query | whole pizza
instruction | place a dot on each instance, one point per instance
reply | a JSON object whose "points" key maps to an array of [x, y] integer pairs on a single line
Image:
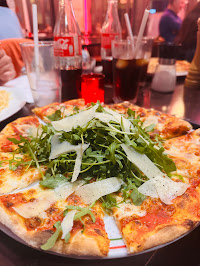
{"points": [[94, 179]]}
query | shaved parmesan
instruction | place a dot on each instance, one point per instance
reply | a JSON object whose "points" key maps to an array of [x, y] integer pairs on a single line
{"points": [[106, 118], [150, 120], [67, 223], [37, 207], [142, 162], [58, 148], [45, 199], [163, 188], [121, 119], [73, 121], [91, 192]]}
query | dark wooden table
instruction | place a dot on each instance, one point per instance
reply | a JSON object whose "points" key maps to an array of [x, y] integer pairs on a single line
{"points": [[185, 251]]}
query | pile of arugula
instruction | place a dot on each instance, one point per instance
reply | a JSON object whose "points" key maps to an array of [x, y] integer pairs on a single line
{"points": [[103, 159]]}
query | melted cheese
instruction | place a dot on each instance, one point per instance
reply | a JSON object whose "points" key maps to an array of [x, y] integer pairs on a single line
{"points": [[128, 209]]}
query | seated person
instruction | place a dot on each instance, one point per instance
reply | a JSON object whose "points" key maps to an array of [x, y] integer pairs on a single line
{"points": [[13, 50], [170, 23], [7, 70], [9, 23], [187, 37]]}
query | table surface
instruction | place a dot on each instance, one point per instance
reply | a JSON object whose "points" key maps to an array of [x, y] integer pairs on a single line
{"points": [[185, 251]]}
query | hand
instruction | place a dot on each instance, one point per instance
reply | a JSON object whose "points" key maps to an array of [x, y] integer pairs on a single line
{"points": [[7, 70]]}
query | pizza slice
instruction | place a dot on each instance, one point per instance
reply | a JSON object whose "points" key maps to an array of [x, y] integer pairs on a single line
{"points": [[16, 172], [56, 220], [154, 223], [21, 126], [166, 126], [63, 109], [185, 152]]}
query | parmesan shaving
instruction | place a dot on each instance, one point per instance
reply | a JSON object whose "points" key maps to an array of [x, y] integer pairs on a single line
{"points": [[45, 199], [142, 162], [150, 120], [118, 117], [92, 192], [73, 121], [163, 188], [58, 148], [67, 223]]}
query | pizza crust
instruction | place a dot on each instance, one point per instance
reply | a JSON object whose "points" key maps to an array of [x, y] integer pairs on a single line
{"points": [[79, 245]]}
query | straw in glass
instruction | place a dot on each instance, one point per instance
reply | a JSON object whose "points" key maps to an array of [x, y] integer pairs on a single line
{"points": [[35, 33], [141, 30]]}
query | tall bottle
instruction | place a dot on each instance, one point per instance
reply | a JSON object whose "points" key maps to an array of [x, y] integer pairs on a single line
{"points": [[67, 50], [111, 30]]}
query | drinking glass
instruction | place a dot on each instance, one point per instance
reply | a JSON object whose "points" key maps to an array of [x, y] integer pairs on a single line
{"points": [[129, 67], [92, 87], [44, 78]]}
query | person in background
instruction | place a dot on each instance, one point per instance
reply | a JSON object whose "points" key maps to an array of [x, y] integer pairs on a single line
{"points": [[170, 22], [9, 23], [187, 37], [7, 69]]}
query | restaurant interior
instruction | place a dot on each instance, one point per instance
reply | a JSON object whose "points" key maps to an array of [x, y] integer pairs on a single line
{"points": [[167, 79]]}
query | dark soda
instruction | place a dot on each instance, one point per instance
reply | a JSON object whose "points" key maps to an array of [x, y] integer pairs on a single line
{"points": [[127, 74], [107, 71], [71, 84]]}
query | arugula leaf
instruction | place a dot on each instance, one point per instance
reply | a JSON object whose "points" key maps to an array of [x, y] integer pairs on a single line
{"points": [[82, 212], [52, 182], [136, 196], [108, 202], [67, 237], [52, 240], [55, 116]]}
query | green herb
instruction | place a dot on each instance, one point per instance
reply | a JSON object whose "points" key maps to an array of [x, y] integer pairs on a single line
{"points": [[52, 240], [82, 212], [108, 202], [52, 182]]}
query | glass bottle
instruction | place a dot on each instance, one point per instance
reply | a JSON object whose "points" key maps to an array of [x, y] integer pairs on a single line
{"points": [[111, 30], [164, 79], [67, 50]]}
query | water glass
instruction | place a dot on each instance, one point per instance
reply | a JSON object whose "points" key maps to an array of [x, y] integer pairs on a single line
{"points": [[44, 78]]}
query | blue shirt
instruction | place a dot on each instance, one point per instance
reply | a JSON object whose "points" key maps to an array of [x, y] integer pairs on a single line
{"points": [[169, 25], [9, 24]]}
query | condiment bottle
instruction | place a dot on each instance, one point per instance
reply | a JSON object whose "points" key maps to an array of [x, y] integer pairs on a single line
{"points": [[164, 79], [111, 30], [67, 50]]}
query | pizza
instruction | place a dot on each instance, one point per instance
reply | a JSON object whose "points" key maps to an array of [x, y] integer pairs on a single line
{"points": [[182, 66], [67, 183]]}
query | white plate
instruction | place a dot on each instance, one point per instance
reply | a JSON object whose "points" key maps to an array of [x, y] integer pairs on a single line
{"points": [[15, 103]]}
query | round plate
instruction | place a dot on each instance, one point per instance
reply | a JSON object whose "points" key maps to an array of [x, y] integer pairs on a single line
{"points": [[15, 103]]}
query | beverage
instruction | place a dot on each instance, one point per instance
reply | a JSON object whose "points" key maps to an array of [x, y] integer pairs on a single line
{"points": [[44, 97], [67, 50], [111, 30], [107, 70], [92, 87], [127, 75], [129, 67], [71, 84]]}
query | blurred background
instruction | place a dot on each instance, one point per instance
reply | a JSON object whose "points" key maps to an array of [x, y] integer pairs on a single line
{"points": [[90, 15]]}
